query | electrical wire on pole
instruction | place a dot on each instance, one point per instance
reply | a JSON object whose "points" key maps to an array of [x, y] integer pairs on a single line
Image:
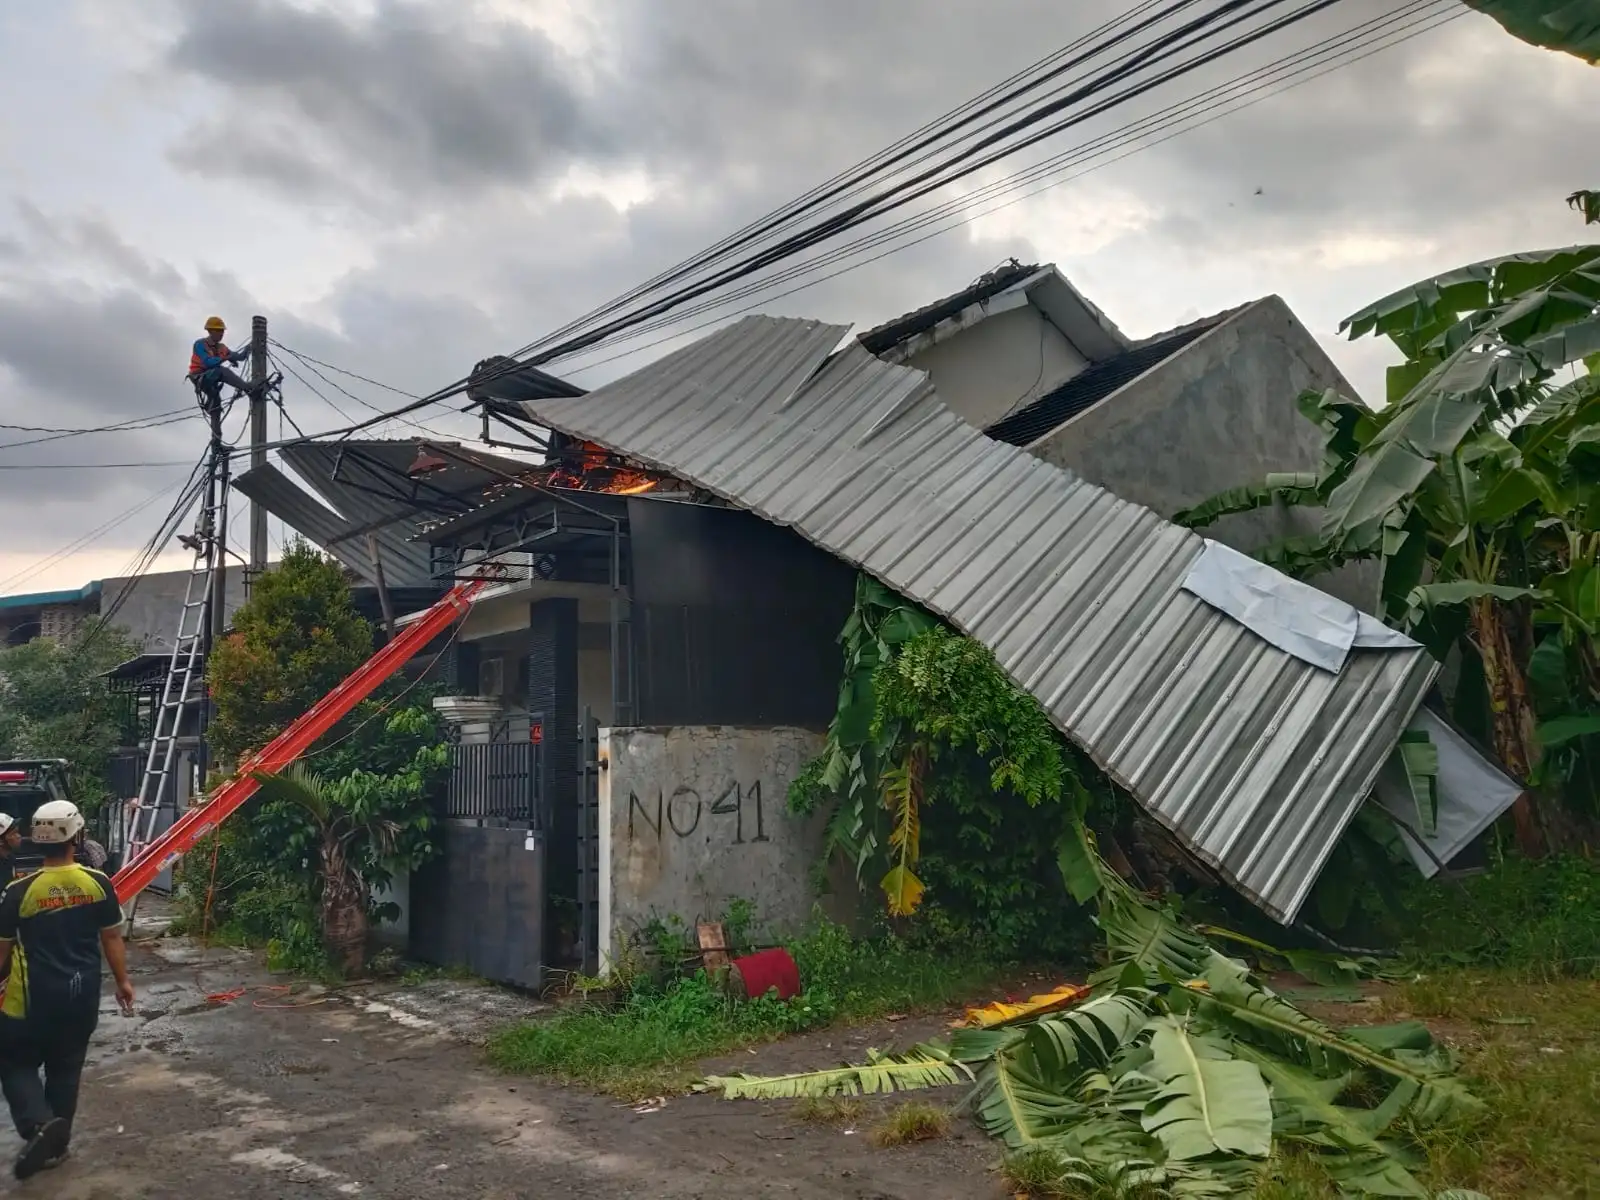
{"points": [[258, 441]]}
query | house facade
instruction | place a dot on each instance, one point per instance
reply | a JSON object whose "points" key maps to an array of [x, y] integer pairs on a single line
{"points": [[1166, 421]]}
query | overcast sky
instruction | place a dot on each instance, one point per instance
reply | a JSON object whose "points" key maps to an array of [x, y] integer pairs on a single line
{"points": [[404, 188]]}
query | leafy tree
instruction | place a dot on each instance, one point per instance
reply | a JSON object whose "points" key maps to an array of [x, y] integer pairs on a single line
{"points": [[946, 778], [297, 636], [55, 703], [377, 772], [350, 825]]}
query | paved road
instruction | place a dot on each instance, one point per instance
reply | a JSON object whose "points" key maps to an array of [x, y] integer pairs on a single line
{"points": [[377, 1094]]}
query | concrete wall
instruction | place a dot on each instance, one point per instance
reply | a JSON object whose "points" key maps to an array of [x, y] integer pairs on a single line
{"points": [[150, 612], [1218, 414], [999, 365], [692, 817]]}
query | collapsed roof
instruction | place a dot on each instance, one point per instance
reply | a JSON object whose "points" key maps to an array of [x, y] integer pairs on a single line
{"points": [[363, 490], [1254, 756]]}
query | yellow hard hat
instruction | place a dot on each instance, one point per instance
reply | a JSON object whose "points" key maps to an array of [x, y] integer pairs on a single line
{"points": [[215, 323]]}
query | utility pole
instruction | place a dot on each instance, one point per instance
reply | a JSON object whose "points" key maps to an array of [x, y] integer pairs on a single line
{"points": [[258, 442], [214, 531]]}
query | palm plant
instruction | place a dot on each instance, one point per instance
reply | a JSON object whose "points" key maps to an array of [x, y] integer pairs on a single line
{"points": [[348, 826]]}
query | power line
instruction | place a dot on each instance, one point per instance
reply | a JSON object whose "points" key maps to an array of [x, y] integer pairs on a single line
{"points": [[277, 362], [88, 539], [1168, 44], [853, 177], [125, 466], [388, 387], [1237, 94], [128, 426], [310, 364], [1233, 15], [91, 429], [971, 158]]}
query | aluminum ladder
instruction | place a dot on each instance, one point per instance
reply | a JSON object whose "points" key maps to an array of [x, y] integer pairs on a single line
{"points": [[183, 670]]}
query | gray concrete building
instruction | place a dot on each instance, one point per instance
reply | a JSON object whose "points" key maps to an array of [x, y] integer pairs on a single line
{"points": [[1165, 421], [144, 607]]}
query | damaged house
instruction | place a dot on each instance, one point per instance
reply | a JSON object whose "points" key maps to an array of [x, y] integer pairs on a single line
{"points": [[660, 658]]}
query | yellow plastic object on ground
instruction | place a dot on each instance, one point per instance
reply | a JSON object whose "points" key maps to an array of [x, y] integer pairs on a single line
{"points": [[1003, 1012]]}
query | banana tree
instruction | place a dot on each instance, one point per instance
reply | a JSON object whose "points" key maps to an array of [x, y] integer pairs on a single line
{"points": [[348, 824], [1474, 486]]}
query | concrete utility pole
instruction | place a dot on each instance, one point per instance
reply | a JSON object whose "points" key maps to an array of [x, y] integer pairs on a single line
{"points": [[258, 441]]}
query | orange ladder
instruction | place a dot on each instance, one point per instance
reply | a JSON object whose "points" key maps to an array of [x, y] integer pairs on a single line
{"points": [[294, 741]]}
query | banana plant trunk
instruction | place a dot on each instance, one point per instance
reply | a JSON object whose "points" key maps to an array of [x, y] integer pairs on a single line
{"points": [[1513, 718], [344, 910]]}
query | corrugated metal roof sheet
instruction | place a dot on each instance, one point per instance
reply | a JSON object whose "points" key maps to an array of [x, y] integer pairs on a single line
{"points": [[279, 495], [365, 482], [1256, 760]]}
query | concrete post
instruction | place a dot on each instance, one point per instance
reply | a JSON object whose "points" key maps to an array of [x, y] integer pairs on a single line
{"points": [[258, 440]]}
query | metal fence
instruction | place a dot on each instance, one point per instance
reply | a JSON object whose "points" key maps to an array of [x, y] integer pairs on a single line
{"points": [[499, 780]]}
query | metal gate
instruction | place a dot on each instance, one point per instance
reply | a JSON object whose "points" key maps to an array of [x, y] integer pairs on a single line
{"points": [[480, 903]]}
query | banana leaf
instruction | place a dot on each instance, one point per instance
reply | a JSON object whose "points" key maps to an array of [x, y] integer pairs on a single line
{"points": [[1210, 1102], [1570, 26], [1252, 1012], [921, 1068]]}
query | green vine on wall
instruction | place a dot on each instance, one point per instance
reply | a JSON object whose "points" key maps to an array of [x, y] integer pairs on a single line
{"points": [[928, 724]]}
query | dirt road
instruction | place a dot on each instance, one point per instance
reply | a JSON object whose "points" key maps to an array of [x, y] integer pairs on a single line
{"points": [[377, 1094]]}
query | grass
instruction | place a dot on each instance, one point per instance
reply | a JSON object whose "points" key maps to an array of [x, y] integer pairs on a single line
{"points": [[1539, 921], [827, 1110], [649, 1043], [914, 1121], [1540, 1083]]}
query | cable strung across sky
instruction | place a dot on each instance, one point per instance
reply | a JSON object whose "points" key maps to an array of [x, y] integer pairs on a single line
{"points": [[1229, 17], [1144, 49], [1240, 92]]}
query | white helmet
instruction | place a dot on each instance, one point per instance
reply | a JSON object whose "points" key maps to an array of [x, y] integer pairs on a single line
{"points": [[6, 822], [56, 823]]}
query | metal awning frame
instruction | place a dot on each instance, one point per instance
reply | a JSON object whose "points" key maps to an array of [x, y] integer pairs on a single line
{"points": [[526, 533]]}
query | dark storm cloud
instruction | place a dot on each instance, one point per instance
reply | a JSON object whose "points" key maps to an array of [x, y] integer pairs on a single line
{"points": [[425, 95], [108, 355]]}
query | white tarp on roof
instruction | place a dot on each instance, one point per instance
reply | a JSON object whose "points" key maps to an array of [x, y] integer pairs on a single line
{"points": [[1295, 617]]}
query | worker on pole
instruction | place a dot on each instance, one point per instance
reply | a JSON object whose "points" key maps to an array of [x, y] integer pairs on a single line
{"points": [[54, 926], [209, 365]]}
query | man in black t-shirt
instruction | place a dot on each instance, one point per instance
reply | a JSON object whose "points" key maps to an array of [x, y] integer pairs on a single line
{"points": [[54, 925]]}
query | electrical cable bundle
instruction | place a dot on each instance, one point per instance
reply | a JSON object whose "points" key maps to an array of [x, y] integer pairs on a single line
{"points": [[1240, 92], [1145, 48]]}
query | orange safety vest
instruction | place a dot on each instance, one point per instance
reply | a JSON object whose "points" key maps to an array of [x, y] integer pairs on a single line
{"points": [[195, 365]]}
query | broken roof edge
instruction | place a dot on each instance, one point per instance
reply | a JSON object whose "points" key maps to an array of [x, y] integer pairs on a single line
{"points": [[1078, 319]]}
